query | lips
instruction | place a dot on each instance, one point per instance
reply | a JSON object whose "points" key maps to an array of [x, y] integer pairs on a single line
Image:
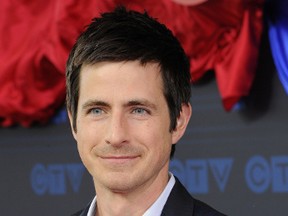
{"points": [[119, 159]]}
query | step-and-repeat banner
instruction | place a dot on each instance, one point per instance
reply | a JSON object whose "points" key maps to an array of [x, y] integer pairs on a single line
{"points": [[237, 161]]}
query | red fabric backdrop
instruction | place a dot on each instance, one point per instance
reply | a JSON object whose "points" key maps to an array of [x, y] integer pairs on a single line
{"points": [[36, 37]]}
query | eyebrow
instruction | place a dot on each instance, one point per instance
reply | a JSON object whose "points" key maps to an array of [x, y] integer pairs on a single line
{"points": [[134, 102], [141, 102], [91, 103]]}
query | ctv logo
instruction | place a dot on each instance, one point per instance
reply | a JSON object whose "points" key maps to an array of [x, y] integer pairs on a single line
{"points": [[260, 174], [54, 179], [194, 173], [263, 174]]}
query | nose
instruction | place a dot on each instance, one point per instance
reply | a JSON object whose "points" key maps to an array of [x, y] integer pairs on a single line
{"points": [[117, 130]]}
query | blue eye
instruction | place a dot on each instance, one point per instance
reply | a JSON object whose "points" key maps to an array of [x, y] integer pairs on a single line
{"points": [[140, 111], [96, 111]]}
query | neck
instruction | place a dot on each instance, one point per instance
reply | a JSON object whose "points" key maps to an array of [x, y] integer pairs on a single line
{"points": [[130, 203]]}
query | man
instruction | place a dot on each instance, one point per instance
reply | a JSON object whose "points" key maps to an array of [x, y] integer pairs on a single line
{"points": [[128, 91]]}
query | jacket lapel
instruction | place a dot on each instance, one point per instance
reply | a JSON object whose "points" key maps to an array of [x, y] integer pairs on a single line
{"points": [[83, 212], [179, 202]]}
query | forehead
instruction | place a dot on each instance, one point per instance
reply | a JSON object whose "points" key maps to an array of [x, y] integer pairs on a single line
{"points": [[116, 77], [124, 69]]}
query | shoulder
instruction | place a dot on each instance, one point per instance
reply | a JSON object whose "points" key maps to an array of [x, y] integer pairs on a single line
{"points": [[78, 213], [201, 208], [182, 203], [82, 212]]}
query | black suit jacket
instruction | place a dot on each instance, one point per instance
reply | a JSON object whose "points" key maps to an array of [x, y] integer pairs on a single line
{"points": [[179, 203]]}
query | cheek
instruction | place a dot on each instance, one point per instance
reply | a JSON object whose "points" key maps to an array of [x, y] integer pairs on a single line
{"points": [[86, 142], [87, 137], [158, 141]]}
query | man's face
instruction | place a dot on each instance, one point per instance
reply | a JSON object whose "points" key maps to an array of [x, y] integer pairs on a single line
{"points": [[123, 124]]}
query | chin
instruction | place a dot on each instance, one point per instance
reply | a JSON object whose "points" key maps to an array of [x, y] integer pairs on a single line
{"points": [[121, 182], [120, 186]]}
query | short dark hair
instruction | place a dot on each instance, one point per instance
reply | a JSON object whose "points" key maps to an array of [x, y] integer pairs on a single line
{"points": [[126, 35]]}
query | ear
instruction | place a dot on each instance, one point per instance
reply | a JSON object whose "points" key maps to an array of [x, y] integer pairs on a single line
{"points": [[71, 124], [182, 122]]}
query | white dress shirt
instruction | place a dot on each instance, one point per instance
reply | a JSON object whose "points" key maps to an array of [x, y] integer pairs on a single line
{"points": [[155, 209]]}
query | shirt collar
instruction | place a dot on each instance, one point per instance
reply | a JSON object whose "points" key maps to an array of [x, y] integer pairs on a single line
{"points": [[91, 211], [155, 209]]}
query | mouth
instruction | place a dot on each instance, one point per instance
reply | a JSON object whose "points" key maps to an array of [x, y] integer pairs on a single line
{"points": [[121, 160]]}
